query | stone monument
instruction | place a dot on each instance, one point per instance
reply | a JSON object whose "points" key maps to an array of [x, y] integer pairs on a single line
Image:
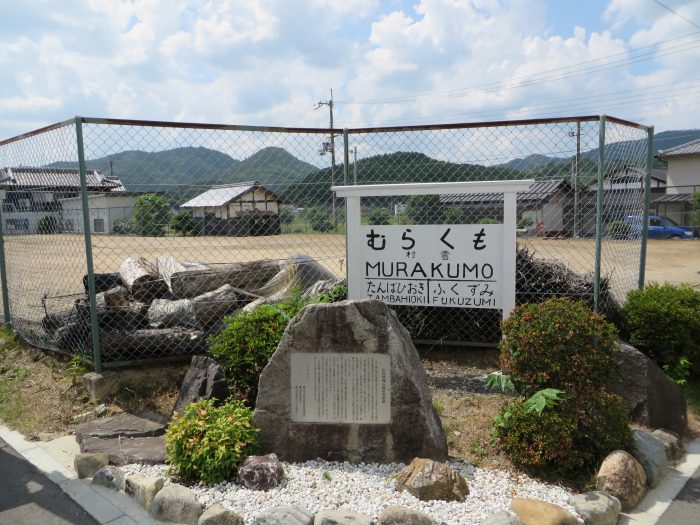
{"points": [[346, 384]]}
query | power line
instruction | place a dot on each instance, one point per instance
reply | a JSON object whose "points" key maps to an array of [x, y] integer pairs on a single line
{"points": [[677, 13]]}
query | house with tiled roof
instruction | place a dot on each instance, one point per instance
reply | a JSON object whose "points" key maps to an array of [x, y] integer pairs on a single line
{"points": [[682, 180]]}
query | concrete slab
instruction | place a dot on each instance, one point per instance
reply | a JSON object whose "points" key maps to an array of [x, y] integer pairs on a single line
{"points": [[97, 505], [48, 465], [63, 450]]}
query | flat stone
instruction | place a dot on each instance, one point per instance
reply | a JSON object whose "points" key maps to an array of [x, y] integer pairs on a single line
{"points": [[502, 518], [536, 512], [122, 451], [143, 489], [217, 514], [177, 504], [429, 480], [284, 515], [261, 472], [87, 463], [623, 477], [597, 508], [399, 515], [350, 327], [341, 517], [124, 425], [672, 443], [205, 379], [110, 477], [650, 451]]}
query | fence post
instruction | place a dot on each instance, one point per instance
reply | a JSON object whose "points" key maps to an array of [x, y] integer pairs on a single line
{"points": [[3, 274], [647, 204], [599, 213], [346, 157], [88, 248]]}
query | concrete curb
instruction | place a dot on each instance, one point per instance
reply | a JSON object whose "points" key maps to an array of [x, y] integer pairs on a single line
{"points": [[657, 500], [55, 460]]}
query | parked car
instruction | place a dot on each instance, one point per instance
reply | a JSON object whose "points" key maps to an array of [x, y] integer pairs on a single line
{"points": [[660, 227]]}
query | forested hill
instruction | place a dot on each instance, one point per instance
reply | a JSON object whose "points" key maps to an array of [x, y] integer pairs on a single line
{"points": [[392, 168]]}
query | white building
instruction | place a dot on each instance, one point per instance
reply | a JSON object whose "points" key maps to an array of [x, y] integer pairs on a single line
{"points": [[683, 168], [105, 210]]}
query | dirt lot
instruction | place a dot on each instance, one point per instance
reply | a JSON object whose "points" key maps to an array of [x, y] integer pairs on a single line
{"points": [[52, 266]]}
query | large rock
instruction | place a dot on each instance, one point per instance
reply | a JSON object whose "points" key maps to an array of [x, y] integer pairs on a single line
{"points": [[650, 451], [650, 396], [398, 515], [143, 489], [177, 504], [125, 450], [341, 517], [502, 518], [623, 477], [428, 480], [349, 342], [284, 515], [204, 380], [110, 477], [124, 425], [87, 463], [261, 472], [536, 512], [672, 443], [597, 508], [217, 514]]}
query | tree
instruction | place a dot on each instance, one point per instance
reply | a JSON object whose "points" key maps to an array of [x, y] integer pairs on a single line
{"points": [[696, 208], [286, 216], [320, 219], [378, 216], [151, 215], [184, 223], [47, 224], [454, 215], [425, 209]]}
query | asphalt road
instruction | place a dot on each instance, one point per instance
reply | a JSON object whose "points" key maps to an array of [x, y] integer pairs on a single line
{"points": [[27, 497], [685, 507]]}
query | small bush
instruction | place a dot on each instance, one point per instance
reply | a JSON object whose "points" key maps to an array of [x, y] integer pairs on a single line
{"points": [[183, 223], [377, 216], [47, 224], [558, 343], [334, 295], [207, 443], [425, 209], [248, 341], [618, 230], [151, 215], [320, 219], [663, 322], [454, 215], [488, 220]]}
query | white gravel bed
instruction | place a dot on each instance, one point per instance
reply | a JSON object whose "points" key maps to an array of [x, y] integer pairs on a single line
{"points": [[368, 488]]}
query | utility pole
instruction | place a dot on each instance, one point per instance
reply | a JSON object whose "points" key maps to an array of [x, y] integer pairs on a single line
{"points": [[330, 147], [575, 174]]}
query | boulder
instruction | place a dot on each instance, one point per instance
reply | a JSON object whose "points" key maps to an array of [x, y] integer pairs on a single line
{"points": [[536, 512], [177, 504], [87, 463], [622, 477], [110, 477], [217, 514], [284, 515], [124, 425], [389, 419], [261, 472], [143, 489], [341, 517], [650, 397], [398, 515], [125, 450], [428, 480], [650, 451], [597, 508], [672, 443], [502, 518], [204, 380]]}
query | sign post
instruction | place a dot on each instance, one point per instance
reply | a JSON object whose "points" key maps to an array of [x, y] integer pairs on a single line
{"points": [[440, 265]]}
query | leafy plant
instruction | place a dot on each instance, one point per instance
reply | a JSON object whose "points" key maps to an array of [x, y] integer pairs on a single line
{"points": [[47, 224], [247, 342], [545, 398], [184, 223], [378, 216], [151, 215], [320, 219], [525, 222], [558, 343], [326, 475], [663, 322], [207, 443], [439, 407], [488, 220], [334, 295], [680, 372], [500, 381], [425, 209], [454, 215]]}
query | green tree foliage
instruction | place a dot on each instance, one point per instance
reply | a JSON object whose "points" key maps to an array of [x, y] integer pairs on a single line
{"points": [[696, 209], [183, 223], [151, 215], [378, 216], [454, 215], [320, 218], [286, 216], [425, 209], [207, 443], [47, 224]]}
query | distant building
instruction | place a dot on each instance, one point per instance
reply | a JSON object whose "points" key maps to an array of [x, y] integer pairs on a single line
{"points": [[241, 209], [29, 194], [106, 211], [683, 180]]}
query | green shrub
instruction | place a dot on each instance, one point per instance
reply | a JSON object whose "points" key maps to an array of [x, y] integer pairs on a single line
{"points": [[454, 215], [207, 443], [151, 215], [183, 223], [558, 343], [425, 209], [247, 342], [47, 224], [320, 219], [334, 295], [488, 220], [663, 322], [378, 216], [618, 230]]}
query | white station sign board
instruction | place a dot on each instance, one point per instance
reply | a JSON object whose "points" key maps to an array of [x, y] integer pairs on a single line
{"points": [[458, 266]]}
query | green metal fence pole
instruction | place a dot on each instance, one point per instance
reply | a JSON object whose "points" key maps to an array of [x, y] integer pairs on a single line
{"points": [[346, 157], [88, 248], [647, 204], [599, 213], [3, 274]]}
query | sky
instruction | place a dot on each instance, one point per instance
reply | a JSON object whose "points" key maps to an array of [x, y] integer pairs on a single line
{"points": [[388, 62]]}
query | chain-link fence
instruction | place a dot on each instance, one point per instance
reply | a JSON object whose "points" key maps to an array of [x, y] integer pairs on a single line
{"points": [[128, 240]]}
